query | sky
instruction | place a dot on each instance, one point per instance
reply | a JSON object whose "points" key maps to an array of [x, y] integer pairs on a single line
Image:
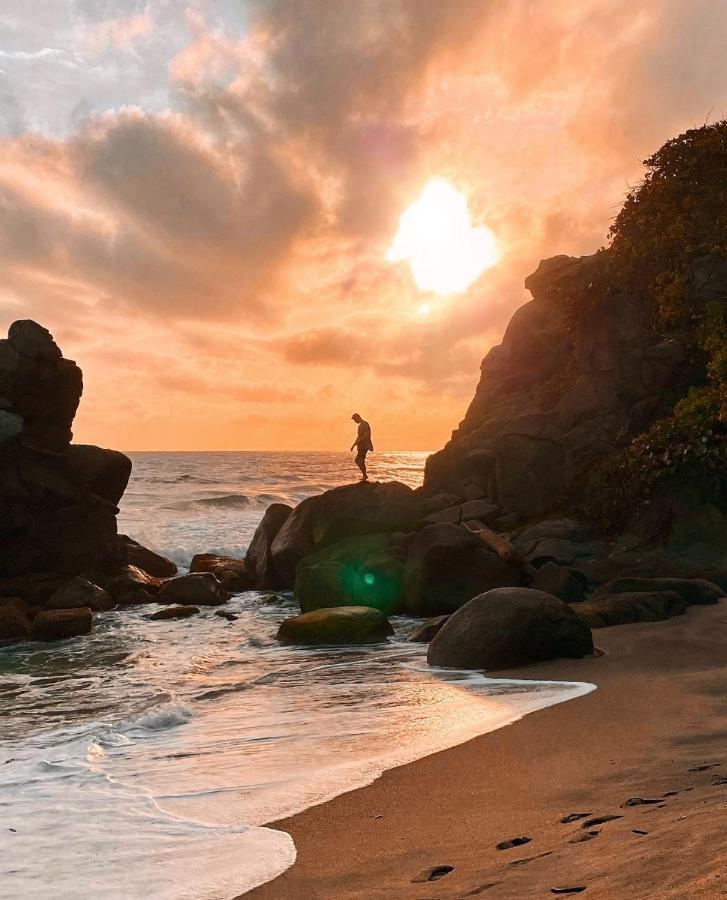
{"points": [[199, 199]]}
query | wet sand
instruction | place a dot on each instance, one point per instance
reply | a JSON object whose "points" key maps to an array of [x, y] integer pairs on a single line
{"points": [[655, 730]]}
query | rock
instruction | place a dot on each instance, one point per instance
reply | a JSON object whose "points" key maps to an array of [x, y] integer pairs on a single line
{"points": [[342, 625], [58, 502], [32, 589], [14, 621], [77, 592], [174, 612], [230, 572], [509, 627], [424, 633], [693, 591], [133, 586], [565, 583], [348, 511], [630, 606], [223, 614], [259, 560], [198, 589], [441, 500], [560, 529], [146, 559], [358, 571], [55, 624], [446, 566], [556, 550], [453, 515], [482, 510]]}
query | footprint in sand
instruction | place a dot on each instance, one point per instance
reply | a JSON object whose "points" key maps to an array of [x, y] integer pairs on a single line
{"points": [[528, 859], [642, 801], [704, 768], [432, 874], [568, 890], [599, 820], [574, 817], [513, 842], [586, 836]]}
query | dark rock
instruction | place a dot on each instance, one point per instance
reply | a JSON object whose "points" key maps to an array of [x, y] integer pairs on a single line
{"points": [[358, 571], [224, 614], [424, 633], [33, 589], [560, 581], [556, 550], [198, 589], [452, 515], [342, 625], [447, 565], [133, 586], [174, 612], [148, 560], [561, 529], [348, 511], [441, 500], [77, 592], [433, 873], [259, 560], [14, 621], [55, 624], [513, 842], [57, 501], [230, 572], [694, 591], [482, 510], [626, 607], [510, 627]]}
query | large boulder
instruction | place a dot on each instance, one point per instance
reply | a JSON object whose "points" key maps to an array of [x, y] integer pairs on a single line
{"points": [[509, 627], [55, 624], [348, 511], [342, 625], [14, 621], [259, 559], [146, 559], [133, 586], [197, 589], [78, 592], [230, 572], [174, 612], [693, 591], [358, 571], [447, 565], [57, 500], [630, 606]]}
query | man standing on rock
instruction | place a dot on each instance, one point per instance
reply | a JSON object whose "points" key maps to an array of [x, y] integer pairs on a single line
{"points": [[363, 443]]}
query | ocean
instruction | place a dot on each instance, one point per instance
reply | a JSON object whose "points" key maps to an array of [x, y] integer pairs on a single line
{"points": [[146, 759]]}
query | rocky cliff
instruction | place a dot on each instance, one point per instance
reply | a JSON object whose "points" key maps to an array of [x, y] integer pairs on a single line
{"points": [[556, 396]]}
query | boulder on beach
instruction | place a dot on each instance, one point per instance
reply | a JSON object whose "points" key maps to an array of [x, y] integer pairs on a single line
{"points": [[563, 582], [342, 625], [196, 589], [14, 621], [146, 559], [78, 592], [447, 565], [508, 627], [348, 511], [230, 572], [174, 612], [259, 559], [55, 624], [425, 632], [133, 586], [358, 571], [630, 606], [693, 591]]}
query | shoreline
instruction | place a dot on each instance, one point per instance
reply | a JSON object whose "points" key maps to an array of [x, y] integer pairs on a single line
{"points": [[660, 711]]}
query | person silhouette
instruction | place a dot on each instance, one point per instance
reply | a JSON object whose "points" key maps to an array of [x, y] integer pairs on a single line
{"points": [[362, 443]]}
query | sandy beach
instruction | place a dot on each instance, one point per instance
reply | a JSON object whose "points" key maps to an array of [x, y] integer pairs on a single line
{"points": [[655, 730]]}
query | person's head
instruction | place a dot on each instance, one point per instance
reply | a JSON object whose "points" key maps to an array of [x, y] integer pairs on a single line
{"points": [[356, 417]]}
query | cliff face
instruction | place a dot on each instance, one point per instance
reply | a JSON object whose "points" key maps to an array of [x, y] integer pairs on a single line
{"points": [[57, 499], [558, 393]]}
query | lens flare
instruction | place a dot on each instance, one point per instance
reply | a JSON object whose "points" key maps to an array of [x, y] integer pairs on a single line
{"points": [[436, 237]]}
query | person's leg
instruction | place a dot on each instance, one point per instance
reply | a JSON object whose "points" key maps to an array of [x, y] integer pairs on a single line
{"points": [[361, 463]]}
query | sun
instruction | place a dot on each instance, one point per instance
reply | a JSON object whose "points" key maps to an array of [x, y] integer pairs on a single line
{"points": [[436, 237]]}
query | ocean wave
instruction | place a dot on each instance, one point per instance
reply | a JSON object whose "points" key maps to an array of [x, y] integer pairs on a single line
{"points": [[225, 501], [159, 718]]}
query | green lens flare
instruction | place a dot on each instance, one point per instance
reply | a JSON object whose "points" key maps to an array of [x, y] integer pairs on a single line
{"points": [[369, 579]]}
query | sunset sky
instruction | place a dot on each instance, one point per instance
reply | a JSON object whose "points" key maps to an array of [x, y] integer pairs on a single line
{"points": [[200, 199]]}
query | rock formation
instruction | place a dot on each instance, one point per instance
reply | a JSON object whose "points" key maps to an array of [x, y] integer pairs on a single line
{"points": [[554, 397], [57, 499]]}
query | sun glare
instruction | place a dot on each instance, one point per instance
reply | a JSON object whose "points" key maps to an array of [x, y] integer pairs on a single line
{"points": [[436, 237]]}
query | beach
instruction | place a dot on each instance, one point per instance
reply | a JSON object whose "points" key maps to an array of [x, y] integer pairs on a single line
{"points": [[657, 724]]}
